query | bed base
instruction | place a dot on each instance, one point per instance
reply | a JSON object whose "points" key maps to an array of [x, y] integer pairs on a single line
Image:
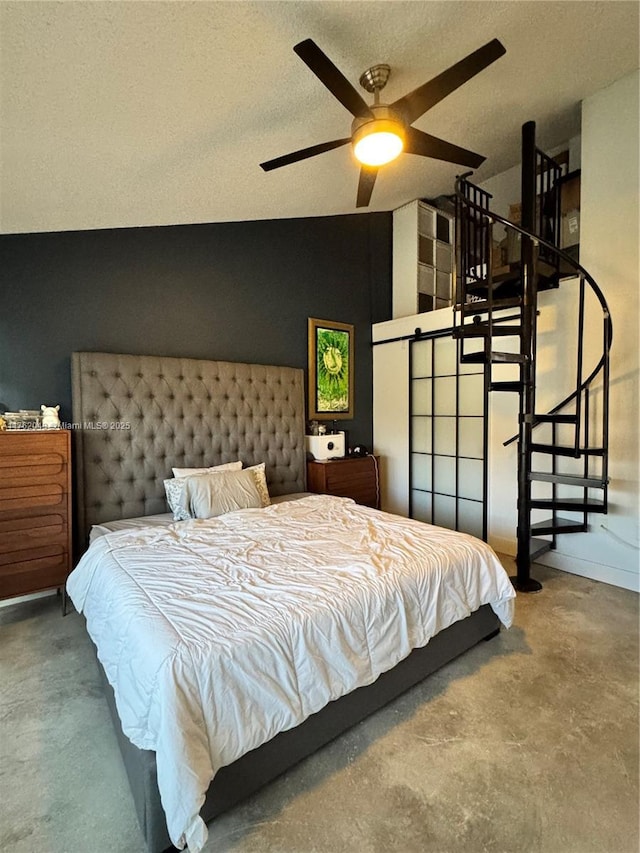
{"points": [[252, 771]]}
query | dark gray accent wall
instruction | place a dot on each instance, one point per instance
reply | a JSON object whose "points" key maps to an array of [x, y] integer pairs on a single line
{"points": [[237, 291]]}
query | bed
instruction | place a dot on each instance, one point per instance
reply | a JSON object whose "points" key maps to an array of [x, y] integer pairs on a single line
{"points": [[221, 673]]}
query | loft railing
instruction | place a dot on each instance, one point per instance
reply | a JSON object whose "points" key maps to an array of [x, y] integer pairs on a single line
{"points": [[548, 173], [584, 277], [474, 240]]}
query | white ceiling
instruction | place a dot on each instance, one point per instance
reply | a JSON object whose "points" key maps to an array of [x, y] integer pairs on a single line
{"points": [[130, 113]]}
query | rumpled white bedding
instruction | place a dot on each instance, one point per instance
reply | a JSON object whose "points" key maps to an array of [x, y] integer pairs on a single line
{"points": [[218, 634]]}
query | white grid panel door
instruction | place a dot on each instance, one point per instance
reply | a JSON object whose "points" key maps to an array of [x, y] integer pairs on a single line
{"points": [[447, 437]]}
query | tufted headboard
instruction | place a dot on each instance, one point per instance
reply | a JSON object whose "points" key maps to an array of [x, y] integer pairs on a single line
{"points": [[135, 417]]}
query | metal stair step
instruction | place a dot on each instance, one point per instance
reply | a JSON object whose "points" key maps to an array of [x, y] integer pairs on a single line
{"points": [[538, 547], [547, 274], [568, 479], [561, 450], [510, 357], [551, 283], [506, 286], [501, 288], [484, 305], [547, 271], [570, 504], [556, 419], [567, 270], [506, 386], [560, 525], [545, 267], [509, 274], [481, 330], [480, 357]]}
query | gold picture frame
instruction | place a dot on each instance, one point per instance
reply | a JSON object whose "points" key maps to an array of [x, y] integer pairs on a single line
{"points": [[331, 348]]}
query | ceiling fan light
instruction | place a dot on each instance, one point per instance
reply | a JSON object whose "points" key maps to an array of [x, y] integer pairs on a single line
{"points": [[378, 142]]}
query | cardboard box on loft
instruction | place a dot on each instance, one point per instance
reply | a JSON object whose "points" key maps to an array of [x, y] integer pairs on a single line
{"points": [[570, 210], [570, 192]]}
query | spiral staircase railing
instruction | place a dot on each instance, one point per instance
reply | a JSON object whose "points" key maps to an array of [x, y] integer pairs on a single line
{"points": [[543, 265]]}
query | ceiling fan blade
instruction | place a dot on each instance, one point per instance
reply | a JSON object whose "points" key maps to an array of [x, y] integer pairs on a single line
{"points": [[303, 154], [333, 78], [416, 103], [418, 142], [368, 175]]}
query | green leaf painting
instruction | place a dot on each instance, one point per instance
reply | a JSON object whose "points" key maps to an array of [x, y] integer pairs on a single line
{"points": [[332, 370]]}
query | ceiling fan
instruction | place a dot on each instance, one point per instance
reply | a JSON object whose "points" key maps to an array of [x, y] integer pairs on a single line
{"points": [[380, 132]]}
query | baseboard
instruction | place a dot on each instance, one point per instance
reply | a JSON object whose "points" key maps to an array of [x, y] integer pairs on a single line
{"points": [[594, 571], [503, 546], [20, 599]]}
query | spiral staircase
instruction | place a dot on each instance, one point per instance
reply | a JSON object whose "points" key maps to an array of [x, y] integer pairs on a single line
{"points": [[497, 321]]}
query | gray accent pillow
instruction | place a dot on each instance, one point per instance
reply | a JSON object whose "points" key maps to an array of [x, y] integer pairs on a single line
{"points": [[210, 495]]}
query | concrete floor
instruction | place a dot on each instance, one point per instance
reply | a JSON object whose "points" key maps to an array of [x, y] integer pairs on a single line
{"points": [[526, 743]]}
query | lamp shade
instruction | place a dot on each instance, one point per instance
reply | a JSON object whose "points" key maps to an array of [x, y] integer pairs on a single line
{"points": [[378, 142]]}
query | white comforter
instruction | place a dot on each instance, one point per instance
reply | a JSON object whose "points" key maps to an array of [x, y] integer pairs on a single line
{"points": [[218, 634]]}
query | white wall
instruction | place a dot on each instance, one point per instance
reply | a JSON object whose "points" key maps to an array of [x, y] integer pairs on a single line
{"points": [[609, 231]]}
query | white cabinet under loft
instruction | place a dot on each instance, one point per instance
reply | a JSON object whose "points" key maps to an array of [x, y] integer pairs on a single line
{"points": [[423, 259]]}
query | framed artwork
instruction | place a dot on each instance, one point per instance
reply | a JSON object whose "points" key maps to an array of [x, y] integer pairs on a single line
{"points": [[330, 370]]}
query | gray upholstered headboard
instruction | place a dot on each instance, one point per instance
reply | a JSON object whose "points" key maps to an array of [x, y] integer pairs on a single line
{"points": [[135, 417]]}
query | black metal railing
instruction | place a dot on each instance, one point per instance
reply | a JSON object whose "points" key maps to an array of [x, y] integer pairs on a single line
{"points": [[548, 207], [579, 272], [474, 239]]}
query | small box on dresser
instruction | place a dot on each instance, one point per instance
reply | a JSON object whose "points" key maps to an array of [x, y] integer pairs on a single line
{"points": [[35, 510], [352, 477]]}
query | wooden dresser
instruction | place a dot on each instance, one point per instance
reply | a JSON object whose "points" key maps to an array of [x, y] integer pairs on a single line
{"points": [[35, 510], [351, 477]]}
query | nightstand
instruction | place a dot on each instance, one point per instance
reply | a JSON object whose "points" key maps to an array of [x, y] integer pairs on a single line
{"points": [[35, 510], [352, 477]]}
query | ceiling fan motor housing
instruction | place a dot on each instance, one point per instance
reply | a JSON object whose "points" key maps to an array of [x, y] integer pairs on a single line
{"points": [[380, 113], [375, 78]]}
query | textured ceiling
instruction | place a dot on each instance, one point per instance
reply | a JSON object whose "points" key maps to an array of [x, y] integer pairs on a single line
{"points": [[121, 114]]}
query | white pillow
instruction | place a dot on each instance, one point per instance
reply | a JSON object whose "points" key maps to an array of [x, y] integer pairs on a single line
{"points": [[213, 494], [189, 472]]}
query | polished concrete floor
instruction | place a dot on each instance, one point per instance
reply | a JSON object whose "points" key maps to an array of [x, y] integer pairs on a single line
{"points": [[526, 743]]}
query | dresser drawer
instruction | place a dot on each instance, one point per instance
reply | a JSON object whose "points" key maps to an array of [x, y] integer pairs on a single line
{"points": [[349, 478], [365, 494], [26, 532], [29, 571], [21, 469], [339, 477], [34, 442], [35, 497], [35, 511]]}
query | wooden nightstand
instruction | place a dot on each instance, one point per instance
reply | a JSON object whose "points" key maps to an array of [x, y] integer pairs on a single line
{"points": [[351, 477], [35, 510]]}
